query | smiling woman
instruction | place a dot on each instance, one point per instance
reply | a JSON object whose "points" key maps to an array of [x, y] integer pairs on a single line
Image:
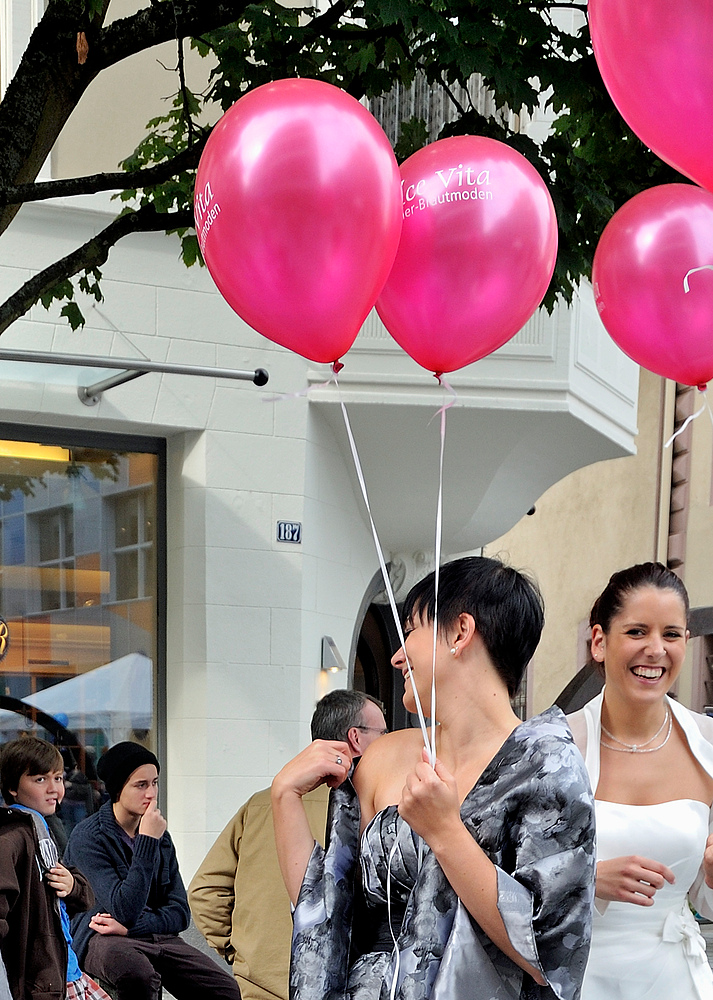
{"points": [[650, 762], [472, 877]]}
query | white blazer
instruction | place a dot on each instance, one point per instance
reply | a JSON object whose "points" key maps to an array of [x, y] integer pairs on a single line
{"points": [[586, 726]]}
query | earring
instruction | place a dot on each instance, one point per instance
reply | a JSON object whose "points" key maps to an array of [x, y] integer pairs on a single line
{"points": [[454, 650]]}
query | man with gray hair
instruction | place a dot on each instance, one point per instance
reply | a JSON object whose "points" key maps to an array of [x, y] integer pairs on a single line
{"points": [[237, 896], [350, 716]]}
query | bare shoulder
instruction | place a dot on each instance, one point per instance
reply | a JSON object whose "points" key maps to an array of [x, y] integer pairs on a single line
{"points": [[388, 749], [382, 770]]}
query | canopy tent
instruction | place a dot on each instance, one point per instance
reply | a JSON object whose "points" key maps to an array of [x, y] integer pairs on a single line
{"points": [[116, 698]]}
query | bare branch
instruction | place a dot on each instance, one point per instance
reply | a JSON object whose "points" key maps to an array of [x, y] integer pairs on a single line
{"points": [[459, 107], [91, 254], [120, 180], [182, 78], [157, 23]]}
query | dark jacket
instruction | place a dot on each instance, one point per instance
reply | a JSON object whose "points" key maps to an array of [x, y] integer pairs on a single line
{"points": [[142, 889], [33, 946]]}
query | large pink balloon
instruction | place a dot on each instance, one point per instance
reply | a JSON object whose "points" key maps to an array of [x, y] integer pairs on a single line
{"points": [[654, 248], [477, 251], [656, 59], [298, 213]]}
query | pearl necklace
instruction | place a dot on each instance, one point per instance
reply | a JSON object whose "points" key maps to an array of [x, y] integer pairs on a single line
{"points": [[639, 748]]}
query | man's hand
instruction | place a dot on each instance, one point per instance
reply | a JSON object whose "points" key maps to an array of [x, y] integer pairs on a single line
{"points": [[152, 822], [104, 923], [61, 880]]}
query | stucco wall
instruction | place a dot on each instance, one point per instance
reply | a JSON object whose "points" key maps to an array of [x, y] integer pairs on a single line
{"points": [[597, 520]]}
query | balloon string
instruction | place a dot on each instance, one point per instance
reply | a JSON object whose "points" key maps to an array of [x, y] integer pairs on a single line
{"points": [[437, 550], [280, 397], [397, 953], [686, 422], [704, 267], [432, 749], [449, 388], [385, 573]]}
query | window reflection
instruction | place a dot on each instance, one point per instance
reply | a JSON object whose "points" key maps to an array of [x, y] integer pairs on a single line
{"points": [[77, 594]]}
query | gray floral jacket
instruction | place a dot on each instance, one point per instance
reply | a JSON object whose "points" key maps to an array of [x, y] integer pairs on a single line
{"points": [[532, 812]]}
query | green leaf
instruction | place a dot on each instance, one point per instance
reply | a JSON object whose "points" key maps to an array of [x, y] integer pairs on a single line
{"points": [[62, 290], [414, 135], [190, 251], [73, 314]]}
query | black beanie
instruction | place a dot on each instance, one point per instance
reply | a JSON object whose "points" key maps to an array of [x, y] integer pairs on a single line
{"points": [[119, 763]]}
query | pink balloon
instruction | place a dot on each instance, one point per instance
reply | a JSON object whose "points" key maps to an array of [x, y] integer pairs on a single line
{"points": [[654, 248], [656, 60], [477, 251], [298, 213]]}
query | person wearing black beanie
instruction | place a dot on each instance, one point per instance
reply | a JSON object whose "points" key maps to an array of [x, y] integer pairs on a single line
{"points": [[119, 762], [131, 937]]}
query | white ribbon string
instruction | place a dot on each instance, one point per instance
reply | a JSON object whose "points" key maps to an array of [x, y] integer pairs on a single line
{"points": [[437, 570], [397, 963], [436, 582], [429, 742], [704, 267], [689, 418], [280, 397], [385, 574]]}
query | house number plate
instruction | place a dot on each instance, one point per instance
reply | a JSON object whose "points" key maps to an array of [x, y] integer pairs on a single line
{"points": [[289, 531]]}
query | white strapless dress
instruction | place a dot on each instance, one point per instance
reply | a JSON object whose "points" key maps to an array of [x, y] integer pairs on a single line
{"points": [[651, 952]]}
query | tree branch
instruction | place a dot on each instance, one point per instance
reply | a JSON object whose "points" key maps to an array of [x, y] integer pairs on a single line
{"points": [[157, 23], [458, 106], [49, 82], [182, 79], [91, 254], [120, 180]]}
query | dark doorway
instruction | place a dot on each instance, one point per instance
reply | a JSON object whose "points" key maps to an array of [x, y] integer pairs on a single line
{"points": [[373, 673]]}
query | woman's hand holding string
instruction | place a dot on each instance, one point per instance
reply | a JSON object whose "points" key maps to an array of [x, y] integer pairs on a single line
{"points": [[430, 803]]}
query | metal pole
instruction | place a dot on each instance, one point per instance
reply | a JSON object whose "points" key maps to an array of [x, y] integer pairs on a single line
{"points": [[130, 368]]}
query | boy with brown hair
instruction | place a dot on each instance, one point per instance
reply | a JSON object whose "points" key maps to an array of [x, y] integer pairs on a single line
{"points": [[37, 892]]}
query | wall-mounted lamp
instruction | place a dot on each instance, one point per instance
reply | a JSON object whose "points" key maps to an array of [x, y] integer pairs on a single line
{"points": [[331, 657]]}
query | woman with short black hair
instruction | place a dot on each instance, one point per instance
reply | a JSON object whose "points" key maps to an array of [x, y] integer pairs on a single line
{"points": [[476, 872]]}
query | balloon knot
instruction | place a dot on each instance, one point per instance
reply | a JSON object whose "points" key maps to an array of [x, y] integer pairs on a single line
{"points": [[337, 367], [437, 376], [702, 386]]}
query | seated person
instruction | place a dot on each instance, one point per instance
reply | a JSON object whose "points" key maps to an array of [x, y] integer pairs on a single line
{"points": [[131, 937], [34, 912]]}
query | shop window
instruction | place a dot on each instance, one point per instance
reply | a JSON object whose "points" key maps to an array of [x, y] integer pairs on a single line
{"points": [[80, 551]]}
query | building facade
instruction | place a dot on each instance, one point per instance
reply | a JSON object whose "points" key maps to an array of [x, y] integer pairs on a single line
{"points": [[216, 531]]}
